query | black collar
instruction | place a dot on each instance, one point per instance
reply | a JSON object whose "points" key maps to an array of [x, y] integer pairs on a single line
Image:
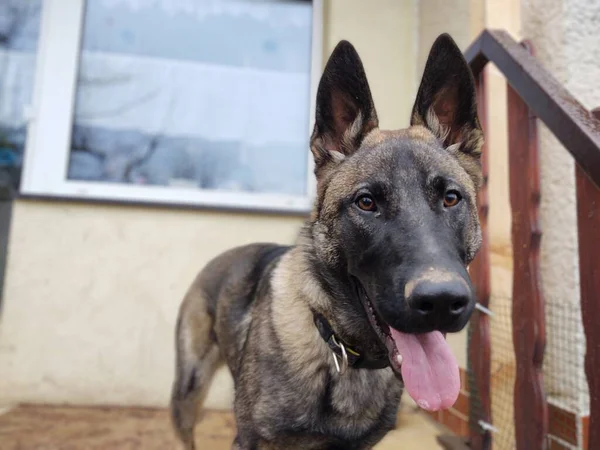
{"points": [[356, 360]]}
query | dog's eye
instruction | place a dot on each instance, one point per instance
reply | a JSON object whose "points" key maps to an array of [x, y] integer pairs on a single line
{"points": [[366, 203], [451, 198]]}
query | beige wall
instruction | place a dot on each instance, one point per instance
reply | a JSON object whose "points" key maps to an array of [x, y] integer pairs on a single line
{"points": [[502, 14], [462, 19], [386, 39], [92, 291]]}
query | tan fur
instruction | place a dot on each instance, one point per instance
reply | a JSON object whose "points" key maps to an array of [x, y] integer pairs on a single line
{"points": [[351, 134], [193, 346], [439, 130], [292, 315]]}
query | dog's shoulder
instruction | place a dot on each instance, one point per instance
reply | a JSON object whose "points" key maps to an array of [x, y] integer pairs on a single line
{"points": [[239, 268]]}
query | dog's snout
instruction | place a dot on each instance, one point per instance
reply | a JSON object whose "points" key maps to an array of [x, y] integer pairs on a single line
{"points": [[441, 300]]}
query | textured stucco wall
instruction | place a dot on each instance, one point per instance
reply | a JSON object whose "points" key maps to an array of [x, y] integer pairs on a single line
{"points": [[567, 42], [92, 291]]}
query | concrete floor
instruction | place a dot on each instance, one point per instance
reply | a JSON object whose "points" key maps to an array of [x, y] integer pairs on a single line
{"points": [[70, 428]]}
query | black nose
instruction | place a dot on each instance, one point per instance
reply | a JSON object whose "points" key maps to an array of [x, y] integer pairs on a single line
{"points": [[444, 300]]}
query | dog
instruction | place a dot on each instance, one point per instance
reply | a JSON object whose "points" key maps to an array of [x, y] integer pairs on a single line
{"points": [[322, 337]]}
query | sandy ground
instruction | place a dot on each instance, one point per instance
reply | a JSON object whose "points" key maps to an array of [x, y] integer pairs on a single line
{"points": [[74, 428]]}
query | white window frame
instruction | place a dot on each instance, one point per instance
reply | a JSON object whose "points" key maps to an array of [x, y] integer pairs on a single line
{"points": [[50, 119]]}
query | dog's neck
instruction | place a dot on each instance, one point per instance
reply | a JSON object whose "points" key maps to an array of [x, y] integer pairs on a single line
{"points": [[295, 296], [299, 300]]}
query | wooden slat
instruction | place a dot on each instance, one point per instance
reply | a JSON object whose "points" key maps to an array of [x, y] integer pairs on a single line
{"points": [[479, 342], [566, 118], [529, 337], [588, 219]]}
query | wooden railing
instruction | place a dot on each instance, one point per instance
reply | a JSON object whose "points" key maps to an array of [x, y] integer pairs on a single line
{"points": [[534, 94]]}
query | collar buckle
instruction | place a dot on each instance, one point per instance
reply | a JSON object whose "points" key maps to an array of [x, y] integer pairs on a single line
{"points": [[344, 363], [343, 355]]}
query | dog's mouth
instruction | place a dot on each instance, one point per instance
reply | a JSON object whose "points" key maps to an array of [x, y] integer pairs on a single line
{"points": [[424, 362]]}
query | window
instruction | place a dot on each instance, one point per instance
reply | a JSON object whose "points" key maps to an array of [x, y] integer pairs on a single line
{"points": [[19, 32], [198, 102]]}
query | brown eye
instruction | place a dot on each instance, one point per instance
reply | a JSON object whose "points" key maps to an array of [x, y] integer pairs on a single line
{"points": [[366, 203], [451, 198]]}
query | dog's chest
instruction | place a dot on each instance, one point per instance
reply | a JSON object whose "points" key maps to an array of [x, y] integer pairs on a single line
{"points": [[357, 392], [348, 407]]}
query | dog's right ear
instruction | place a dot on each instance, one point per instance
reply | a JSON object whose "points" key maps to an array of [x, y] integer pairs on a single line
{"points": [[446, 104], [345, 112]]}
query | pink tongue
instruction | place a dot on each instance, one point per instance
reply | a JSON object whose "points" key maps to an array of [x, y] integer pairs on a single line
{"points": [[429, 369]]}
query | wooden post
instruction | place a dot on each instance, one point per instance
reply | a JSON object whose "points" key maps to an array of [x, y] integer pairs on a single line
{"points": [[479, 341], [588, 222], [529, 335]]}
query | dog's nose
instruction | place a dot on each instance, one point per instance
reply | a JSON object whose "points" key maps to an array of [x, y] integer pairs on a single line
{"points": [[446, 299]]}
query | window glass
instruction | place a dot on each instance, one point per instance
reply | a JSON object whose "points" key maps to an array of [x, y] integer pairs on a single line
{"points": [[209, 94], [19, 32]]}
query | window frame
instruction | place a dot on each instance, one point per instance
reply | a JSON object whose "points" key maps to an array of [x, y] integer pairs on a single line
{"points": [[50, 119]]}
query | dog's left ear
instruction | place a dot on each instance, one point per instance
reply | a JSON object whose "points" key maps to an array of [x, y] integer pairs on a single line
{"points": [[446, 104], [345, 112]]}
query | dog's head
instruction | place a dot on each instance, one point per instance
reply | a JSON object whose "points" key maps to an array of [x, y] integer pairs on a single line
{"points": [[396, 210]]}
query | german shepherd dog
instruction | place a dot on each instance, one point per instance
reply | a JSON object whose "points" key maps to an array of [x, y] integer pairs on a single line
{"points": [[322, 337]]}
